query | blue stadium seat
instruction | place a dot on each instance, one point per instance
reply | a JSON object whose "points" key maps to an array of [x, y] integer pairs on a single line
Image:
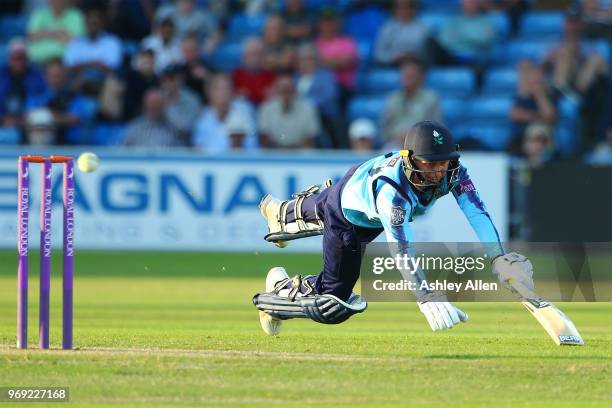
{"points": [[523, 49], [542, 25], [366, 107], [449, 6], [227, 56], [489, 111], [9, 136], [452, 111], [502, 24], [3, 53], [491, 137], [378, 81], [456, 82], [364, 49], [364, 24], [130, 47], [566, 139], [601, 47], [434, 20], [317, 5], [108, 134], [12, 26], [500, 81], [243, 25]]}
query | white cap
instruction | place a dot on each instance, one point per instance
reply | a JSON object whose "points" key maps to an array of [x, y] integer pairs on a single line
{"points": [[40, 118], [237, 124], [362, 128]]}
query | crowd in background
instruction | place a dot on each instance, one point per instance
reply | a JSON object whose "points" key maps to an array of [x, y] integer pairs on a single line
{"points": [[147, 68]]}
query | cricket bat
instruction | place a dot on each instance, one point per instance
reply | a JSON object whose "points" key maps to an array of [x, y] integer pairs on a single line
{"points": [[554, 321]]}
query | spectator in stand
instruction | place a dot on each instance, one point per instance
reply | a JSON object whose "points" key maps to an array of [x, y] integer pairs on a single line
{"points": [[514, 10], [96, 50], [538, 144], [470, 36], [287, 120], [138, 80], [227, 123], [152, 128], [574, 70], [40, 128], [362, 134], [18, 81], [603, 150], [338, 53], [298, 22], [51, 28], [251, 80], [278, 54], [166, 46], [598, 18], [72, 110], [580, 75], [411, 104], [182, 106], [533, 102], [131, 20], [319, 86], [194, 71], [191, 20], [401, 35]]}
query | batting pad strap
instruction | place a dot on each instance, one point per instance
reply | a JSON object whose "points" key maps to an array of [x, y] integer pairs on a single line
{"points": [[326, 309]]}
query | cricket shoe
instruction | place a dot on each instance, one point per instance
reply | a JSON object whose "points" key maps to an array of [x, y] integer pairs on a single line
{"points": [[270, 325], [270, 208]]}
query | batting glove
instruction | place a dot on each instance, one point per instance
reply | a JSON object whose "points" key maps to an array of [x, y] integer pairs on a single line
{"points": [[442, 315], [514, 271]]}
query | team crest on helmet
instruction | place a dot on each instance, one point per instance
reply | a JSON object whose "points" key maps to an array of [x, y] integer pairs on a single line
{"points": [[398, 215], [437, 137]]}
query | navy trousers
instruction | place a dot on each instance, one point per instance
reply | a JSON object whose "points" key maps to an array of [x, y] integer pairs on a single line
{"points": [[342, 241]]}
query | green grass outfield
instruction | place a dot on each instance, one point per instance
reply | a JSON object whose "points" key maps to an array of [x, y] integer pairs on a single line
{"points": [[162, 329]]}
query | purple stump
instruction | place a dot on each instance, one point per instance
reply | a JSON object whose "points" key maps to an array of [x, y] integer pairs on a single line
{"points": [[23, 207], [68, 246], [45, 254]]}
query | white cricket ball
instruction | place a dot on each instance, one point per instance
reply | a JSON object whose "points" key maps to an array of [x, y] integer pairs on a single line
{"points": [[88, 162]]}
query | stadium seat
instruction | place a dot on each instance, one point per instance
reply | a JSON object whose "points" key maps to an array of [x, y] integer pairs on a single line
{"points": [[243, 25], [452, 111], [364, 24], [378, 81], [9, 136], [455, 82], [434, 20], [317, 5], [227, 56], [12, 26], [489, 111], [523, 49], [502, 24], [366, 107], [448, 6], [364, 49], [542, 25], [601, 47], [500, 81], [3, 53], [566, 139], [108, 134], [491, 137], [130, 48]]}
